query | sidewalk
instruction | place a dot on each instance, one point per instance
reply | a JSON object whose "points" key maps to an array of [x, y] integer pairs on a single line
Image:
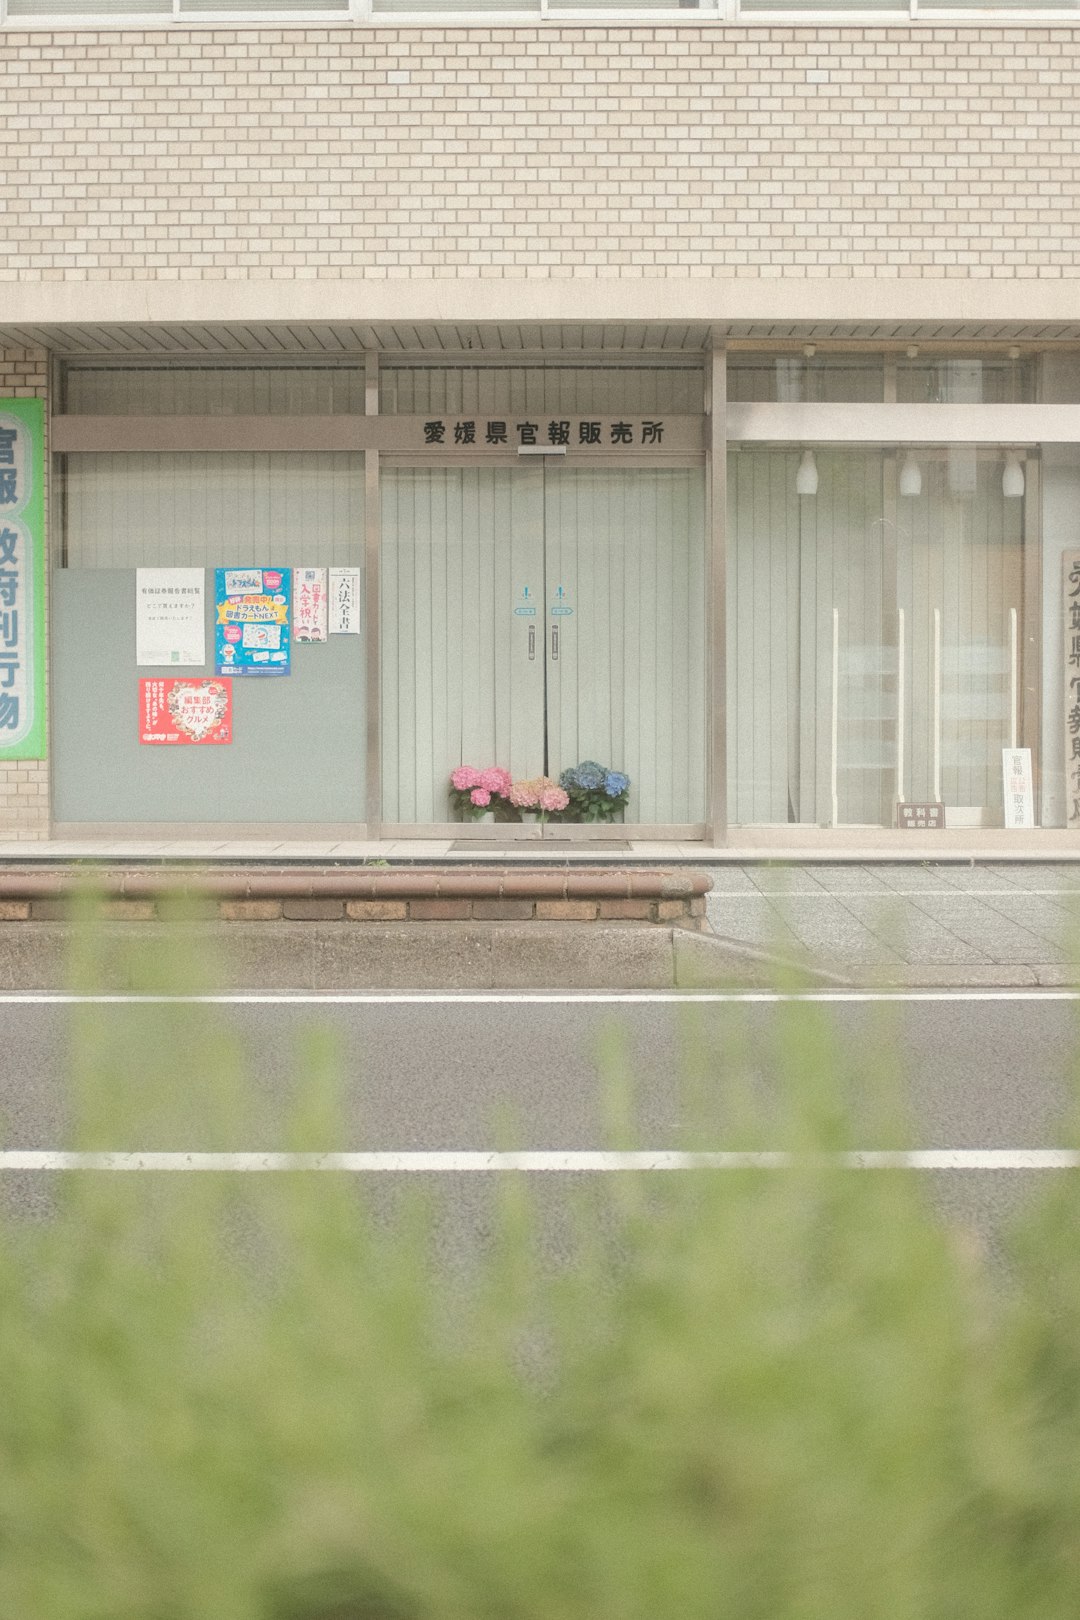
{"points": [[931, 924]]}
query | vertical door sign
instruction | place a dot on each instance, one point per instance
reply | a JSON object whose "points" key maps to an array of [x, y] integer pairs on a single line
{"points": [[1072, 689], [309, 604], [170, 620], [1019, 800], [185, 711], [344, 601], [22, 579], [252, 621]]}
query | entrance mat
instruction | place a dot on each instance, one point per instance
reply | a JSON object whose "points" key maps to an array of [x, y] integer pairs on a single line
{"points": [[534, 846]]}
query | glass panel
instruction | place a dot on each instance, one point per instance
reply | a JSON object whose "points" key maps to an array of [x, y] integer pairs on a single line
{"points": [[812, 6], [462, 654], [226, 8], [211, 511], [995, 380], [959, 580], [607, 390], [827, 549], [625, 563], [89, 8], [556, 6], [379, 6], [792, 378], [178, 390]]}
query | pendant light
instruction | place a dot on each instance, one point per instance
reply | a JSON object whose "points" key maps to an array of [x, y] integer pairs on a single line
{"points": [[910, 477], [806, 478], [1012, 479]]}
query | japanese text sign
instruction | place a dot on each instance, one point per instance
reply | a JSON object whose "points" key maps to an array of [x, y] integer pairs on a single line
{"points": [[1019, 800], [252, 621], [571, 432], [170, 623], [22, 579], [1072, 688], [920, 817], [185, 711], [344, 602], [309, 604]]}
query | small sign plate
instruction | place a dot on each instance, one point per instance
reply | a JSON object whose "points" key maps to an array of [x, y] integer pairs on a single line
{"points": [[920, 817]]}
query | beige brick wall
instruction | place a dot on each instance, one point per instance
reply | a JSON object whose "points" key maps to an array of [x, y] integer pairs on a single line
{"points": [[541, 152], [24, 783]]}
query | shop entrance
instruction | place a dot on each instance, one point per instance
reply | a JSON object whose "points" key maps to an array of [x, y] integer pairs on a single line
{"points": [[536, 616]]}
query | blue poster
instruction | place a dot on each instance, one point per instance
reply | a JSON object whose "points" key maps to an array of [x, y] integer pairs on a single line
{"points": [[252, 622]]}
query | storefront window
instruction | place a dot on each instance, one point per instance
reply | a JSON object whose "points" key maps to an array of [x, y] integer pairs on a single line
{"points": [[876, 610]]}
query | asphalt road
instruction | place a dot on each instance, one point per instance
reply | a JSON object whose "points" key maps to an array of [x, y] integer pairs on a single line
{"points": [[460, 1074]]}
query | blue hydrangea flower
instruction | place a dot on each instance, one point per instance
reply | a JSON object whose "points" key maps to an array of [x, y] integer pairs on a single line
{"points": [[590, 775], [615, 783]]}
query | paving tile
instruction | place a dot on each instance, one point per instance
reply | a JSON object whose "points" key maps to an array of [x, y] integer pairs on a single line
{"points": [[832, 933], [783, 879], [979, 925], [1055, 920], [849, 879], [1028, 875], [731, 880], [754, 921], [911, 934]]}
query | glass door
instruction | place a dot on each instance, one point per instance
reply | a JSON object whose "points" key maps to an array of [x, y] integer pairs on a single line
{"points": [[462, 626], [875, 619], [535, 617], [625, 573]]}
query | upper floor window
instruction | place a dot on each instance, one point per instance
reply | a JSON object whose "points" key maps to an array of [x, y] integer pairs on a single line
{"points": [[60, 13]]}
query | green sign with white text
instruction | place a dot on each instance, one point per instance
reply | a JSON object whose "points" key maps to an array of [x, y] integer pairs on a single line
{"points": [[22, 579]]}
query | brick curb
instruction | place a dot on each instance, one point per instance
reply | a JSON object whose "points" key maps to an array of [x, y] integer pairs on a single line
{"points": [[361, 895]]}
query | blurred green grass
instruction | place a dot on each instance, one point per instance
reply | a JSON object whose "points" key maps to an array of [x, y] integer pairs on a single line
{"points": [[748, 1395]]}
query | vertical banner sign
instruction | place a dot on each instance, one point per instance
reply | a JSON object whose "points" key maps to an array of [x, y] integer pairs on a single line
{"points": [[1072, 689], [1019, 799], [309, 604], [191, 711], [22, 579], [170, 621], [344, 601], [252, 621]]}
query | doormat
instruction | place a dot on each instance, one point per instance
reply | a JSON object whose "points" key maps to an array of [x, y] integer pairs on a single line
{"points": [[534, 846]]}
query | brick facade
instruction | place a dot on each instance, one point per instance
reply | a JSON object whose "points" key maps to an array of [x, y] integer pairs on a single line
{"points": [[541, 152], [24, 783]]}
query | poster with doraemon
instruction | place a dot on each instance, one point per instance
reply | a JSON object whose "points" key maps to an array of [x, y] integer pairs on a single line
{"points": [[252, 620]]}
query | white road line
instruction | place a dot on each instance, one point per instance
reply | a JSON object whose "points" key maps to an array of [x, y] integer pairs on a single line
{"points": [[572, 1162], [491, 998]]}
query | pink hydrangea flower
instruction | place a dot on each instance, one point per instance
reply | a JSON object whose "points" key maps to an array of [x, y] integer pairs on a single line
{"points": [[553, 798], [524, 794], [465, 777], [496, 780], [480, 795]]}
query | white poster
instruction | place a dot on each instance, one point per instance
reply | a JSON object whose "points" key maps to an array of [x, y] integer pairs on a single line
{"points": [[344, 601], [1019, 800], [309, 604], [170, 617]]}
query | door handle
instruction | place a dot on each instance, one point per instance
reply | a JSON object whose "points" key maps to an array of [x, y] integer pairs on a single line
{"points": [[532, 643], [554, 643]]}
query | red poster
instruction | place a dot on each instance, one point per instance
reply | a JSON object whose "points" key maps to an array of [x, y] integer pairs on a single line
{"points": [[185, 711]]}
